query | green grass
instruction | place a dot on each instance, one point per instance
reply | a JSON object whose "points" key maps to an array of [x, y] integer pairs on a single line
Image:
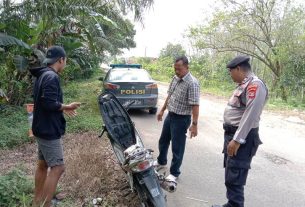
{"points": [[86, 91], [273, 103], [161, 77], [66, 202], [291, 104], [14, 121], [224, 89], [14, 127], [16, 189]]}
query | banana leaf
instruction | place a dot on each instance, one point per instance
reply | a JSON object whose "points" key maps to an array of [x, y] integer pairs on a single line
{"points": [[2, 95], [21, 63], [6, 40]]}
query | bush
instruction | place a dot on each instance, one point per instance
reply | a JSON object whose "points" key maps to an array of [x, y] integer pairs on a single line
{"points": [[160, 69], [14, 81], [15, 78], [15, 189], [74, 71]]}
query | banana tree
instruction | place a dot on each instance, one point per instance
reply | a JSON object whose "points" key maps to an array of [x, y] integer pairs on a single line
{"points": [[88, 29], [7, 40], [92, 19], [12, 80]]}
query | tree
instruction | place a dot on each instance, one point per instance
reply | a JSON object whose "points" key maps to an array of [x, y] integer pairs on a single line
{"points": [[263, 29], [89, 31], [172, 50], [100, 24]]}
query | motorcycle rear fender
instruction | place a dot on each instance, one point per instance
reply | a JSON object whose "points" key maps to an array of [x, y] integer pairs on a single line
{"points": [[150, 180]]}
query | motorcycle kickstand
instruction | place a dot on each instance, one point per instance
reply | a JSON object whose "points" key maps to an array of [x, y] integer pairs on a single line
{"points": [[104, 130]]}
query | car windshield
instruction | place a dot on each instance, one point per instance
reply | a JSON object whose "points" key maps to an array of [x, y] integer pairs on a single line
{"points": [[133, 75]]}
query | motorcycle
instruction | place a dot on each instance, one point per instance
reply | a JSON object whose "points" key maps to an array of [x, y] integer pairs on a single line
{"points": [[133, 157]]}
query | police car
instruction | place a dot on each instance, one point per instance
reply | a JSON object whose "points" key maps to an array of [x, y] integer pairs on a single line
{"points": [[132, 84]]}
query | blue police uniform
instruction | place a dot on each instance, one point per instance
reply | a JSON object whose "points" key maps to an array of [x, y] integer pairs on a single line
{"points": [[241, 123]]}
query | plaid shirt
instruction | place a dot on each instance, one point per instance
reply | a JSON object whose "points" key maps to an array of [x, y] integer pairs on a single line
{"points": [[183, 94]]}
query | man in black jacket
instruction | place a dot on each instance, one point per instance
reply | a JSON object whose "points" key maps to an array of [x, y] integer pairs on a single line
{"points": [[49, 124]]}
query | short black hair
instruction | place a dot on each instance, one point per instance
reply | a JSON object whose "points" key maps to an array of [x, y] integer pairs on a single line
{"points": [[245, 66], [49, 64], [182, 58]]}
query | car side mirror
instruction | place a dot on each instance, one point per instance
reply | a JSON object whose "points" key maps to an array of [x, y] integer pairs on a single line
{"points": [[101, 78]]}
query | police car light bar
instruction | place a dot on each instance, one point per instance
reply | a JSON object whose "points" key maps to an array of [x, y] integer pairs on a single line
{"points": [[126, 66]]}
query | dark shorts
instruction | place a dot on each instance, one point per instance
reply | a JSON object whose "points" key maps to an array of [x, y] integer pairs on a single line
{"points": [[51, 151]]}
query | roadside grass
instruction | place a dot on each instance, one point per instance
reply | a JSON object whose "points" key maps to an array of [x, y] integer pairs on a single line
{"points": [[14, 126], [161, 77], [292, 104], [224, 90], [16, 188], [273, 103], [14, 121], [88, 116]]}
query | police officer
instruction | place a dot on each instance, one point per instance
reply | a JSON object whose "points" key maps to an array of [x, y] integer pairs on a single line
{"points": [[241, 122]]}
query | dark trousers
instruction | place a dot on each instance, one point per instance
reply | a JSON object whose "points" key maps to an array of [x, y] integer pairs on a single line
{"points": [[174, 129], [237, 167]]}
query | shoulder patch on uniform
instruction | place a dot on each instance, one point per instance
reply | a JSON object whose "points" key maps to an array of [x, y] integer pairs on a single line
{"points": [[251, 90]]}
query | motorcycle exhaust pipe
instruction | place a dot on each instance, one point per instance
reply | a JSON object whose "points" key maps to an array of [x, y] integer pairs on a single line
{"points": [[169, 186]]}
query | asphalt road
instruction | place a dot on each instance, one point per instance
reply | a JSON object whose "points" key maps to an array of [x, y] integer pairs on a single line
{"points": [[277, 177]]}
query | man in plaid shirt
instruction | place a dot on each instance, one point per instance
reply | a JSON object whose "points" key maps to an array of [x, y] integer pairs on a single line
{"points": [[182, 103]]}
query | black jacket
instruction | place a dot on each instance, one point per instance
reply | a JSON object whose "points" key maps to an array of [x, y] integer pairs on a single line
{"points": [[48, 121]]}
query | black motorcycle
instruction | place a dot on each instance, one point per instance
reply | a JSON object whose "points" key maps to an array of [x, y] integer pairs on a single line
{"points": [[134, 158]]}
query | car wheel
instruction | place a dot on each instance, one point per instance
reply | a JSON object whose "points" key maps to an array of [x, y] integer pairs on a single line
{"points": [[153, 110]]}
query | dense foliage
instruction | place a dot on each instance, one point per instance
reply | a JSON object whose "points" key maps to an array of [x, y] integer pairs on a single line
{"points": [[89, 31], [270, 31]]}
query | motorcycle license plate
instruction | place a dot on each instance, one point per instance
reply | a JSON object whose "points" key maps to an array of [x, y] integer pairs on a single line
{"points": [[154, 192]]}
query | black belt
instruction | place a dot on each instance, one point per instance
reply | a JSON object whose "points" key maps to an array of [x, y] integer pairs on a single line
{"points": [[174, 114], [230, 129]]}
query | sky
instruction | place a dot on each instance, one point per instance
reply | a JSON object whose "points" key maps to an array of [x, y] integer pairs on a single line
{"points": [[166, 22]]}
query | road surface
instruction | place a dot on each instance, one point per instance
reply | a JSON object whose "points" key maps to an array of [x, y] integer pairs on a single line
{"points": [[277, 177]]}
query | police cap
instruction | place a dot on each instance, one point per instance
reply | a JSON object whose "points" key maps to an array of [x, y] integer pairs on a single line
{"points": [[237, 61]]}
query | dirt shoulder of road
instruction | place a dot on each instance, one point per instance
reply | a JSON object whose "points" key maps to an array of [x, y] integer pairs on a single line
{"points": [[91, 170]]}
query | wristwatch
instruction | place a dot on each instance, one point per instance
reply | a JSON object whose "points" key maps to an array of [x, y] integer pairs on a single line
{"points": [[194, 123]]}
